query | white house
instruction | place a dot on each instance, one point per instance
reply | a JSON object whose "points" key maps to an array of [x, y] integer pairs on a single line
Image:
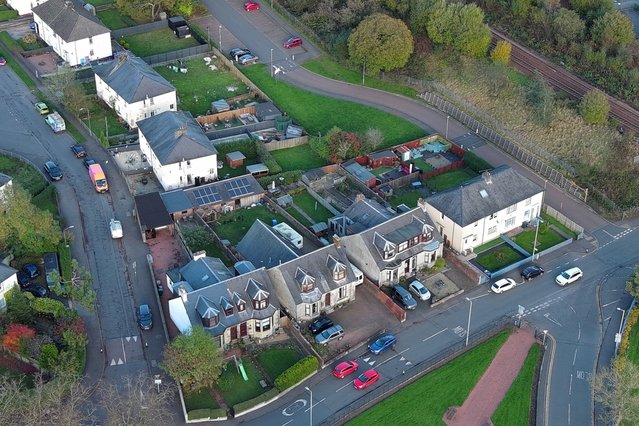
{"points": [[178, 150], [23, 7], [485, 207], [8, 280], [133, 89], [73, 32]]}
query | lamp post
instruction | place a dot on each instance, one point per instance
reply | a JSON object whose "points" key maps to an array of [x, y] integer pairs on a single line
{"points": [[311, 410], [364, 72], [64, 234], [470, 312], [88, 117], [534, 249], [219, 28], [618, 335], [544, 341], [447, 118], [271, 63], [208, 36]]}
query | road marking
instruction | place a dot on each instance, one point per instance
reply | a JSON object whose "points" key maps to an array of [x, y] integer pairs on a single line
{"points": [[569, 413], [346, 385], [579, 333], [317, 403], [123, 351], [547, 316], [296, 406], [460, 331], [584, 375], [607, 319], [610, 303], [287, 422], [394, 356], [572, 309], [439, 332], [570, 388], [574, 358]]}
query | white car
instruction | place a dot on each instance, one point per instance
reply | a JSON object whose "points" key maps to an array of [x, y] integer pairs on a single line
{"points": [[116, 228], [419, 290], [569, 276], [502, 285]]}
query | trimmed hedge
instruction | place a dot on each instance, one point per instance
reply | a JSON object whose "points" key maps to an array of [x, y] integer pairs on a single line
{"points": [[267, 159], [476, 164], [45, 306], [243, 406], [206, 413], [6, 15], [296, 373]]}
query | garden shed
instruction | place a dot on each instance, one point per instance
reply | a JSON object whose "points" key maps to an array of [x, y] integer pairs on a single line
{"points": [[257, 170], [235, 159], [384, 158]]}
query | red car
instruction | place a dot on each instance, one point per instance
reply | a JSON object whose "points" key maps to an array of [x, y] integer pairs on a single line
{"points": [[3, 61], [292, 42], [366, 379], [251, 5], [345, 368]]}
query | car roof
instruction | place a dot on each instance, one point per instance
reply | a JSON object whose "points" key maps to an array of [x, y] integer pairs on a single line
{"points": [[51, 164], [144, 308], [417, 284], [572, 270], [531, 268], [503, 281]]}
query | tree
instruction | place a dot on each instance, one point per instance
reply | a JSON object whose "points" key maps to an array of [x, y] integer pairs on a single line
{"points": [[184, 7], [594, 107], [420, 13], [632, 285], [520, 8], [58, 82], [540, 97], [501, 52], [440, 22], [373, 138], [472, 36], [193, 360], [380, 43], [617, 390], [142, 10], [15, 333], [79, 288], [612, 32], [567, 27], [398, 7], [591, 9], [138, 401], [18, 307]]}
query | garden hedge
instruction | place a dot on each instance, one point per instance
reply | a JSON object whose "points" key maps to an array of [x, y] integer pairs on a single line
{"points": [[51, 307], [206, 413], [296, 373], [243, 406], [267, 159]]}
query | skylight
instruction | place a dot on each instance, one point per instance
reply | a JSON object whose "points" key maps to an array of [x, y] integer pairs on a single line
{"points": [[483, 193]]}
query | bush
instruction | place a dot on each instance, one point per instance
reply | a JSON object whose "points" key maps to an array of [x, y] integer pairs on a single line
{"points": [[296, 373], [476, 164], [206, 413], [594, 107], [243, 406], [267, 158], [48, 356], [18, 307], [15, 334], [46, 306]]}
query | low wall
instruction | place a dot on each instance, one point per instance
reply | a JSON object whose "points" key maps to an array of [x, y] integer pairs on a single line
{"points": [[468, 269], [399, 313], [402, 181], [286, 143], [239, 130]]}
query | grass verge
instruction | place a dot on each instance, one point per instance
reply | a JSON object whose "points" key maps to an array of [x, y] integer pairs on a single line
{"points": [[448, 386]]}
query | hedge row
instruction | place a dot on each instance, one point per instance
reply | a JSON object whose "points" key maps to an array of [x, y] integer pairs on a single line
{"points": [[46, 306], [475, 163], [206, 413], [296, 373], [267, 159], [631, 322], [243, 406], [6, 15]]}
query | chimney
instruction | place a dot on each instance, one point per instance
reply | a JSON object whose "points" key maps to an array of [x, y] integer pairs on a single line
{"points": [[359, 197], [421, 203], [337, 241], [488, 178], [199, 254], [183, 294]]}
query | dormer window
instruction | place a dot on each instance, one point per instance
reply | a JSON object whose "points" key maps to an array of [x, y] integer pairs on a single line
{"points": [[258, 294], [241, 307], [228, 312], [390, 253], [304, 280], [240, 304], [226, 306], [209, 322], [258, 305], [90, 40], [403, 246], [337, 268]]}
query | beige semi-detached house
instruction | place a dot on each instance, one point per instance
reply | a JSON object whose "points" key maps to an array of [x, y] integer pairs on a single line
{"points": [[133, 89], [485, 207], [73, 32]]}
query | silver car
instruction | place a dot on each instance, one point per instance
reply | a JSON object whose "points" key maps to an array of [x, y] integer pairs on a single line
{"points": [[331, 333], [419, 290], [247, 59]]}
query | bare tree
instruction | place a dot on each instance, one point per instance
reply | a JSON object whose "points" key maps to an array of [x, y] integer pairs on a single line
{"points": [[373, 138], [138, 401], [617, 389]]}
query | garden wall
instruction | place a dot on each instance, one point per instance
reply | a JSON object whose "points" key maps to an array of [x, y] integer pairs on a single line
{"points": [[467, 268], [286, 143], [226, 115], [239, 130], [452, 166], [564, 221], [399, 313], [402, 181]]}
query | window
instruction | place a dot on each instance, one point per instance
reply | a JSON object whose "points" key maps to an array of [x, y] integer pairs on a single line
{"points": [[188, 163], [389, 275], [343, 293], [510, 222], [307, 310], [241, 307], [262, 325], [171, 106], [209, 322], [152, 113], [91, 42], [512, 208], [212, 171], [339, 274], [403, 246], [228, 311], [151, 101], [492, 216], [260, 304], [91, 52], [442, 215], [389, 254], [527, 213], [492, 229], [414, 241]]}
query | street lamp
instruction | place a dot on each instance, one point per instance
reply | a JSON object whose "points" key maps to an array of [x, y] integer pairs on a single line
{"points": [[618, 335], [88, 116], [470, 312], [544, 341], [219, 28], [271, 63], [364, 72], [208, 36], [534, 249], [311, 392], [447, 118], [64, 234]]}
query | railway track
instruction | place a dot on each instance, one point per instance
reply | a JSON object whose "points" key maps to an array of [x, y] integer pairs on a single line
{"points": [[559, 78]]}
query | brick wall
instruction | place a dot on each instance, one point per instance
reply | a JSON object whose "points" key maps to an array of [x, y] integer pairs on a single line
{"points": [[399, 313]]}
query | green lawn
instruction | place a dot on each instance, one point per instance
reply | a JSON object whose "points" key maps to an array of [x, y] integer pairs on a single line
{"points": [[299, 216], [103, 119], [488, 245], [326, 66], [545, 240], [552, 221], [158, 41], [499, 258], [101, 2], [114, 20], [632, 351], [232, 226], [448, 386], [321, 113], [406, 197], [198, 238], [200, 86], [380, 171], [422, 165], [450, 179], [26, 176], [277, 360], [233, 387], [514, 409], [300, 157], [6, 15], [312, 207], [200, 400]]}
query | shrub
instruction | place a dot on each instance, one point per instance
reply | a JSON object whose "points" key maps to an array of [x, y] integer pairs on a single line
{"points": [[594, 107], [51, 307], [267, 158], [206, 413], [243, 406], [296, 373], [18, 307], [15, 333], [476, 164], [48, 356]]}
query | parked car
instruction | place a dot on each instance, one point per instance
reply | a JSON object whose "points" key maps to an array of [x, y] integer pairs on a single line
{"points": [[37, 290], [503, 285], [531, 272], [419, 290], [3, 61], [145, 318], [53, 170], [23, 279], [247, 59], [79, 151], [569, 276], [251, 5], [42, 108], [116, 229], [292, 42], [331, 333], [88, 161], [382, 343], [320, 324], [235, 53], [401, 294], [31, 269], [345, 368], [366, 379]]}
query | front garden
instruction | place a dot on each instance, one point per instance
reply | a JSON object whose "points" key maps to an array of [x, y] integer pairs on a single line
{"points": [[499, 258], [156, 42]]}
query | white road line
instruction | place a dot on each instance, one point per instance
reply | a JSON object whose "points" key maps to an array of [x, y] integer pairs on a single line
{"points": [[317, 403], [287, 422], [574, 359], [394, 356], [608, 233], [579, 333], [346, 385], [123, 351], [572, 309], [607, 319], [439, 332], [570, 388], [569, 413], [610, 303]]}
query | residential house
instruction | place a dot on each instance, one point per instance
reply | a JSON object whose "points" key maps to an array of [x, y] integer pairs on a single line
{"points": [[74, 33], [133, 89], [264, 247], [8, 280], [202, 271], [23, 7], [178, 150], [316, 282], [237, 308], [359, 216], [394, 249], [485, 207]]}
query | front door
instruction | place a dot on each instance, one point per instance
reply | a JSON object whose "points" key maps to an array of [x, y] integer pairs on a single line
{"points": [[234, 333], [243, 330], [327, 301]]}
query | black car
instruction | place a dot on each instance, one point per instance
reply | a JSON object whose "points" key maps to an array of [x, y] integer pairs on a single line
{"points": [[37, 291], [320, 324], [145, 319], [23, 279], [31, 270], [79, 150], [531, 272], [237, 52], [53, 170], [88, 161]]}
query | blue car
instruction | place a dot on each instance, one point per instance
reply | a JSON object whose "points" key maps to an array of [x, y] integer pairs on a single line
{"points": [[384, 342]]}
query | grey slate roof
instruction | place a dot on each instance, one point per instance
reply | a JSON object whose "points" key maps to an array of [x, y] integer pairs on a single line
{"points": [[132, 78], [176, 201], [175, 136], [69, 20], [235, 156], [151, 211], [382, 154], [264, 248], [359, 171], [6, 272], [365, 214], [210, 301], [266, 111], [466, 205], [202, 272]]}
